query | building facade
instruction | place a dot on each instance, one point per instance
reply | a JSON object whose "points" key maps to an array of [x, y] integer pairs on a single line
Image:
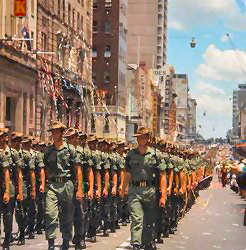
{"points": [[238, 105], [64, 65], [18, 76], [109, 67], [191, 124], [181, 89], [147, 32]]}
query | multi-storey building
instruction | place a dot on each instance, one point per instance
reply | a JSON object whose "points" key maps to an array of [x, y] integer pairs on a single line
{"points": [[64, 63], [181, 89], [191, 126], [109, 66], [147, 32], [238, 104], [18, 66]]}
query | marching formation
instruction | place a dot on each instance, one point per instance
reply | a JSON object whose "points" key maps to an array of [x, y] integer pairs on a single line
{"points": [[88, 185]]}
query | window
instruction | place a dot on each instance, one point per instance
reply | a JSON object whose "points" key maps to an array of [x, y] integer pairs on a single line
{"points": [[106, 77], [32, 36], [8, 109], [107, 27], [94, 77], [95, 4], [108, 4], [95, 28], [107, 52], [31, 109], [63, 10], [73, 20], [69, 14], [59, 8], [44, 41], [94, 52], [82, 23], [78, 21]]}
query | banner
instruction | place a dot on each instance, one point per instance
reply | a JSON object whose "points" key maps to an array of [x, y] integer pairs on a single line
{"points": [[20, 8]]}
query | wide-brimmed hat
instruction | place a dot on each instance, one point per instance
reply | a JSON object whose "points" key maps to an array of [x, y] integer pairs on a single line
{"points": [[26, 139], [82, 134], [71, 131], [142, 131], [91, 138], [4, 131], [57, 125], [243, 160], [16, 136]]}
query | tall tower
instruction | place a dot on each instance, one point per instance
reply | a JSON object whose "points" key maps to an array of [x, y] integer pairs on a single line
{"points": [[147, 32]]}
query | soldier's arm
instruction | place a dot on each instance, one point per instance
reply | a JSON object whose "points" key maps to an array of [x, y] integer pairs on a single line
{"points": [[79, 176], [115, 182], [42, 176], [170, 181], [177, 182], [163, 188], [183, 181], [91, 180], [106, 182], [20, 184], [99, 184], [33, 183], [6, 195]]}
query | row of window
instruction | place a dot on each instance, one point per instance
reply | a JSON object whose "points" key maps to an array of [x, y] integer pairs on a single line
{"points": [[107, 27], [107, 52], [107, 4], [106, 77]]}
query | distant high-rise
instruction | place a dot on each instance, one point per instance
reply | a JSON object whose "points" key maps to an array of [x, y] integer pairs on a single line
{"points": [[147, 32]]}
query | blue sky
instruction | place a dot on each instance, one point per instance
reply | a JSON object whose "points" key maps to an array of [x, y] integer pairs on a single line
{"points": [[217, 65]]}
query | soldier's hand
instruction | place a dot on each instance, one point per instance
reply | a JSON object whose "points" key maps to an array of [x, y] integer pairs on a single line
{"points": [[98, 194], [41, 189], [105, 192], [6, 198], [114, 192], [168, 191], [19, 197], [33, 194], [163, 202], [79, 195], [90, 194], [121, 192]]}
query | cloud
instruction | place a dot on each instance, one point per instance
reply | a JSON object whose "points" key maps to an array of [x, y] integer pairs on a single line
{"points": [[214, 104], [223, 65], [209, 88], [204, 13]]}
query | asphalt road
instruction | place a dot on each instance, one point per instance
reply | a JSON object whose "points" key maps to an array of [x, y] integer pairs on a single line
{"points": [[214, 222]]}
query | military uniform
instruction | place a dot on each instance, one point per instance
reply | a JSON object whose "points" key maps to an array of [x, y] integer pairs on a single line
{"points": [[142, 194], [10, 160]]}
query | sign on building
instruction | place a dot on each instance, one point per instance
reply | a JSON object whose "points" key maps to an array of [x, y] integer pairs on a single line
{"points": [[20, 8]]}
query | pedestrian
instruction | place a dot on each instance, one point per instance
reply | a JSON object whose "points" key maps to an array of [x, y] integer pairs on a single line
{"points": [[62, 170], [140, 172]]}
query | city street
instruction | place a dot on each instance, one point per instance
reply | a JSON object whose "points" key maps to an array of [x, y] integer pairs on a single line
{"points": [[214, 222]]}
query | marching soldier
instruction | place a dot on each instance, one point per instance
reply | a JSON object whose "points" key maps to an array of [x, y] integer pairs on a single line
{"points": [[62, 169], [40, 184], [25, 211], [94, 208], [140, 172], [11, 184]]}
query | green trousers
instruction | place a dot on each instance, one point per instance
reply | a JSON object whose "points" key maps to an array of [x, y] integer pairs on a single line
{"points": [[143, 210], [59, 207]]}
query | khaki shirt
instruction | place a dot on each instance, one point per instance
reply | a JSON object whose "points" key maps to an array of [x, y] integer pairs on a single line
{"points": [[143, 167], [60, 162]]}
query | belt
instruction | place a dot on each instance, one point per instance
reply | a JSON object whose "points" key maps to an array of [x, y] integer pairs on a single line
{"points": [[143, 183], [59, 179]]}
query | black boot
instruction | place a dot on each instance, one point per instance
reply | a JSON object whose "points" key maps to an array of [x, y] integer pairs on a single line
{"points": [[21, 239], [65, 245], [105, 233], [51, 243], [136, 247], [6, 243], [80, 245], [31, 235]]}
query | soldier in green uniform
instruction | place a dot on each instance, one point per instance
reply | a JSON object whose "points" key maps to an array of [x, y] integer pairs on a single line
{"points": [[11, 184], [140, 172], [94, 208], [40, 184], [62, 169], [81, 207]]}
